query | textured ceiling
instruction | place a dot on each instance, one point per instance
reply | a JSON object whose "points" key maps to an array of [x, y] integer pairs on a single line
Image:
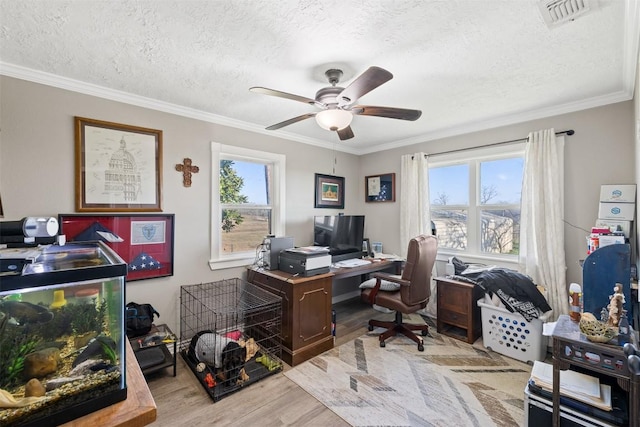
{"points": [[467, 65]]}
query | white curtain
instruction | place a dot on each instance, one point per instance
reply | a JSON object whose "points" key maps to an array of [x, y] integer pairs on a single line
{"points": [[542, 255], [415, 217]]}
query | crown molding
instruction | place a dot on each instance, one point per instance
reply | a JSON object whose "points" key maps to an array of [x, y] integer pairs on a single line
{"points": [[53, 80], [507, 120]]}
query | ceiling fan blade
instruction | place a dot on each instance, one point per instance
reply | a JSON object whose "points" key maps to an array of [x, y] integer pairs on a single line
{"points": [[291, 121], [363, 84], [345, 133], [272, 92], [389, 112]]}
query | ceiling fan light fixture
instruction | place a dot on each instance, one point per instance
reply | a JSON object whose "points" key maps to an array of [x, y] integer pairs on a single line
{"points": [[334, 119]]}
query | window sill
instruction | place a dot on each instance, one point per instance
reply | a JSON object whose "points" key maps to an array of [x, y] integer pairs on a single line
{"points": [[510, 261], [220, 264]]}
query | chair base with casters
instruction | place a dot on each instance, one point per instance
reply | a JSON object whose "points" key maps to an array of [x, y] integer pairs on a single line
{"points": [[398, 327]]}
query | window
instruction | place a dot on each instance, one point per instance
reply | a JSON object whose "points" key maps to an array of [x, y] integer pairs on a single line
{"points": [[475, 200], [247, 203]]}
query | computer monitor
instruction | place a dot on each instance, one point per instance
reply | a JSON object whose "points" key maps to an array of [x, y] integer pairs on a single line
{"points": [[342, 234]]}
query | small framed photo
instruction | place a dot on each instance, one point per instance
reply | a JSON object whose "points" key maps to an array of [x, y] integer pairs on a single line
{"points": [[118, 167], [380, 188], [143, 241], [366, 247], [329, 191]]}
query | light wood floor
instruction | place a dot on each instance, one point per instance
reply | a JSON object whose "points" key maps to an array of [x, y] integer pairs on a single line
{"points": [[272, 401]]}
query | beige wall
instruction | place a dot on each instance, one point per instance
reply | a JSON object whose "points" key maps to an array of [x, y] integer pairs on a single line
{"points": [[37, 174], [600, 152]]}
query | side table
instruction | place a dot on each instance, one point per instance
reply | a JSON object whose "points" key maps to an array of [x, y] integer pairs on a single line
{"points": [[571, 348], [152, 351], [458, 315]]}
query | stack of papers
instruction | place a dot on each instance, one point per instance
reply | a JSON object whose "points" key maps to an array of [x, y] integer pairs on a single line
{"points": [[348, 263], [380, 255], [309, 250], [581, 387]]}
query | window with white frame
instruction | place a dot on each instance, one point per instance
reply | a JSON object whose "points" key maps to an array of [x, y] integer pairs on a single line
{"points": [[247, 203], [475, 200]]}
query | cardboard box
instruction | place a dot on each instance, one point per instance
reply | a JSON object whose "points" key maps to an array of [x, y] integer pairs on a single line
{"points": [[621, 211], [618, 193], [609, 240], [613, 225]]}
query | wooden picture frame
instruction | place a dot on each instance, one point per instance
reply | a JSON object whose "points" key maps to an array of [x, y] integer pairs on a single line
{"points": [[118, 167], [143, 241], [380, 188], [329, 191]]}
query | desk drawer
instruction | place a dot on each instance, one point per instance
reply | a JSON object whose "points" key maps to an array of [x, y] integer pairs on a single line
{"points": [[454, 297], [453, 318], [263, 279]]}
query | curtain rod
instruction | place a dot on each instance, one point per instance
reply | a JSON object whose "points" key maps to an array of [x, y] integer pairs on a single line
{"points": [[568, 132]]}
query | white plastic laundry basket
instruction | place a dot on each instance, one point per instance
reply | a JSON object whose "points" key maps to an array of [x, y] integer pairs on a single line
{"points": [[510, 334]]}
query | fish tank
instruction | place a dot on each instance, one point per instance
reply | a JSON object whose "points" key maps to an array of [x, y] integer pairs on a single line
{"points": [[62, 332]]}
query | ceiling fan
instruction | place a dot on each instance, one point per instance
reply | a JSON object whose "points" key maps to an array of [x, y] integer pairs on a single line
{"points": [[337, 103]]}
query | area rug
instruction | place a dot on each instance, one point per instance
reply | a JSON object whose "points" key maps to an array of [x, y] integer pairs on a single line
{"points": [[450, 383]]}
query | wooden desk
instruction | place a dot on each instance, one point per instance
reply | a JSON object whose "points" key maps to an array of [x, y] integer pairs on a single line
{"points": [[137, 410], [381, 265], [306, 311], [306, 307], [570, 347]]}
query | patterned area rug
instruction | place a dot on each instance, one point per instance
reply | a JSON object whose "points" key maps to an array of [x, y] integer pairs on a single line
{"points": [[450, 383]]}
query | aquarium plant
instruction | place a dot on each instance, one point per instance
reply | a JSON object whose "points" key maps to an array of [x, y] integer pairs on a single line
{"points": [[87, 317], [14, 346]]}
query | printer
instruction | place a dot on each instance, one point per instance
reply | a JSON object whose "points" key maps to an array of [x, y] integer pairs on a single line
{"points": [[305, 261]]}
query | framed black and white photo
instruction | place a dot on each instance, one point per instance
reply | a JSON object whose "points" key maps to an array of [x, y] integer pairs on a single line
{"points": [[118, 167]]}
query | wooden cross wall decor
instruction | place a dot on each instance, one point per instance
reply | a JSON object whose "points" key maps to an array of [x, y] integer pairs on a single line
{"points": [[187, 168]]}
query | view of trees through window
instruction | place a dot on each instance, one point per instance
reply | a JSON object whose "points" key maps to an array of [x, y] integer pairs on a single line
{"points": [[476, 205], [245, 204]]}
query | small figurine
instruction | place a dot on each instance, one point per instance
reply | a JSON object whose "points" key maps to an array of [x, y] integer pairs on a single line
{"points": [[604, 315], [616, 303]]}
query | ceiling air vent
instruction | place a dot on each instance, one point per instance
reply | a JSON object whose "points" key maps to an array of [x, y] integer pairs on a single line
{"points": [[556, 12]]}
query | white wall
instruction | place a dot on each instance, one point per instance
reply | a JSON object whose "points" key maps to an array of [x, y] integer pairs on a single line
{"points": [[37, 174], [636, 125]]}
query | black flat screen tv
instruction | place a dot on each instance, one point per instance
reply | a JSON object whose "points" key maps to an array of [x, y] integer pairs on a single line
{"points": [[342, 234]]}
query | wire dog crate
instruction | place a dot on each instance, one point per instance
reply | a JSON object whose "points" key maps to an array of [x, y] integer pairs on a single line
{"points": [[230, 334]]}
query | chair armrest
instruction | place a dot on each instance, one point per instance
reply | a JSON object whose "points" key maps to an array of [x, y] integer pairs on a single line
{"points": [[379, 278], [374, 291]]}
